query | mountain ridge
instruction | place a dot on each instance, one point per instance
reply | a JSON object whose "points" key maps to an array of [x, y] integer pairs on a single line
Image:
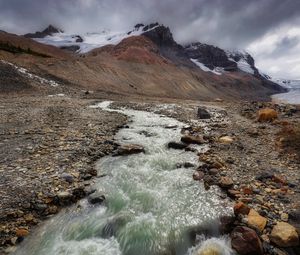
{"points": [[209, 55], [146, 61]]}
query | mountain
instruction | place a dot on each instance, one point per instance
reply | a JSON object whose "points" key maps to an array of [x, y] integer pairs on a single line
{"points": [[146, 61], [291, 84], [209, 57], [49, 31], [86, 42], [20, 45]]}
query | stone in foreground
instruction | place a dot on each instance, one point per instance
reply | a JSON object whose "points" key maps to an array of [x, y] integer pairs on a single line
{"points": [[188, 139], [202, 113], [241, 208], [176, 145], [96, 198], [22, 232], [284, 235], [226, 139], [225, 182], [256, 221], [129, 149], [267, 114], [245, 241]]}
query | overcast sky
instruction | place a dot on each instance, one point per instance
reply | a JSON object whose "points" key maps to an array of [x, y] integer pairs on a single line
{"points": [[268, 29]]}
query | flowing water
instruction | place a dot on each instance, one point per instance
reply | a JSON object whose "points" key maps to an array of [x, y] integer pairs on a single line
{"points": [[150, 205]]}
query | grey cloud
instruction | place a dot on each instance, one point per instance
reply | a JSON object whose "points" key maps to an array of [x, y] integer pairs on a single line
{"points": [[285, 45]]}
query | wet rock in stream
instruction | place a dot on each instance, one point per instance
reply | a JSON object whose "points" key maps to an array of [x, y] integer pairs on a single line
{"points": [[129, 149]]}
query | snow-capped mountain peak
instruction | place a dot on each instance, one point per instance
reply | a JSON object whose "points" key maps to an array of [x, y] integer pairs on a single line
{"points": [[89, 41], [243, 59], [212, 58]]}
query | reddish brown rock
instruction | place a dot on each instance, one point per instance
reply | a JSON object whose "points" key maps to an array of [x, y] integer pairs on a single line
{"points": [[22, 232], [241, 208], [267, 114], [280, 179], [129, 149], [192, 139], [245, 241], [247, 190]]}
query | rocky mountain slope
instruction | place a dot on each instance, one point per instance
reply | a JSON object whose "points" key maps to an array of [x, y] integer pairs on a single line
{"points": [[145, 61]]}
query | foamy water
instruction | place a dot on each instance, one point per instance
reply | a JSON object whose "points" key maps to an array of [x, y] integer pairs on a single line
{"points": [[150, 206]]}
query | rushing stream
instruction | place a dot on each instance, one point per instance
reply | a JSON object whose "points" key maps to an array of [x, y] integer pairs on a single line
{"points": [[150, 205]]}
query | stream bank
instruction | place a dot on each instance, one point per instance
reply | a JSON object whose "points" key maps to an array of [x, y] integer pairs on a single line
{"points": [[151, 201], [246, 159]]}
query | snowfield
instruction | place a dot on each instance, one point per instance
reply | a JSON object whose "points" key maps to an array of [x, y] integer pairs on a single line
{"points": [[242, 64], [90, 40], [217, 70], [31, 76]]}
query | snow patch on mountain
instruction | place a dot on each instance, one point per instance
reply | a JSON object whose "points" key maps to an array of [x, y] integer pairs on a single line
{"points": [[91, 41], [30, 75], [244, 66], [241, 57], [217, 70]]}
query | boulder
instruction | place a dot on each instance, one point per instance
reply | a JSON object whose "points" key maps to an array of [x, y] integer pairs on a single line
{"points": [[213, 171], [226, 139], [226, 224], [245, 241], [216, 164], [233, 193], [22, 232], [96, 198], [188, 139], [202, 113], [67, 177], [267, 114], [256, 221], [284, 235], [280, 179], [176, 145], [185, 165], [198, 175], [225, 182], [294, 217], [219, 100], [64, 198], [241, 208], [265, 175], [129, 149]]}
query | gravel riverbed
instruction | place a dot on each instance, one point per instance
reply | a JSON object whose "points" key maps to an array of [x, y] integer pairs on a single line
{"points": [[49, 145]]}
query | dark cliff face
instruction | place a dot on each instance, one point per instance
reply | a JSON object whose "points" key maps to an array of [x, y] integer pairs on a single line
{"points": [[48, 31], [210, 56], [168, 47], [160, 35]]}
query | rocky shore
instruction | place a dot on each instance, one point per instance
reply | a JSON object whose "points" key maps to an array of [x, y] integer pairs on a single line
{"points": [[50, 144], [48, 147], [250, 161]]}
